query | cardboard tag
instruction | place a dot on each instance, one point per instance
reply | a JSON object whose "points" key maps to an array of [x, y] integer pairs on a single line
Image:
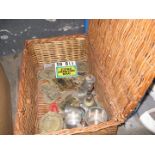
{"points": [[66, 69]]}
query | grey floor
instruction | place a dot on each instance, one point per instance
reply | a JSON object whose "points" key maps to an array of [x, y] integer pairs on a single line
{"points": [[11, 43]]}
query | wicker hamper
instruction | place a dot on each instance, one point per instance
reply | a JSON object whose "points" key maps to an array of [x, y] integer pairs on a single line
{"points": [[120, 54]]}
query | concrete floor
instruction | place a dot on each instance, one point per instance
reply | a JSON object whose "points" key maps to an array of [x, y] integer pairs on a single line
{"points": [[14, 32], [133, 126], [11, 65]]}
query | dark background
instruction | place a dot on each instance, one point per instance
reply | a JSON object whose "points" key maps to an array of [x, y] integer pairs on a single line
{"points": [[14, 32]]}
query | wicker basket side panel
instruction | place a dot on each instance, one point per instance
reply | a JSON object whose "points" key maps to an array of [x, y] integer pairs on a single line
{"points": [[103, 86], [106, 131], [58, 49], [125, 52], [26, 108], [108, 127]]}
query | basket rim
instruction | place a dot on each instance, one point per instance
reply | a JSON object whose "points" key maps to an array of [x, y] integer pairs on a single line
{"points": [[88, 129], [53, 39]]}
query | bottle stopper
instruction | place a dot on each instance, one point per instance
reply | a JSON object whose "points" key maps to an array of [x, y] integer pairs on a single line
{"points": [[53, 107]]}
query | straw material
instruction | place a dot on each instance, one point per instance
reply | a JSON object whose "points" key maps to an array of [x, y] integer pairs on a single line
{"points": [[122, 56]]}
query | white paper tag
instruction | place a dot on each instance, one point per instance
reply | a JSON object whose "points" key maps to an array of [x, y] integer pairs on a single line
{"points": [[67, 63]]}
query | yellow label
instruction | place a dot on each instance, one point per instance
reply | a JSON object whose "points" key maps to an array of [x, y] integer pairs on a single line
{"points": [[66, 71]]}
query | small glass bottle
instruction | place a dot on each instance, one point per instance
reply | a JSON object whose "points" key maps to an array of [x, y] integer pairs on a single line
{"points": [[51, 121], [89, 101], [87, 85]]}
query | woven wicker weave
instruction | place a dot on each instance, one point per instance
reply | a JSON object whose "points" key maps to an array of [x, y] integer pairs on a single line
{"points": [[30, 107], [121, 55]]}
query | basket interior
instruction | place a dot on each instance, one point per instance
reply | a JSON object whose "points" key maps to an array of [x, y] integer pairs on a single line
{"points": [[37, 53]]}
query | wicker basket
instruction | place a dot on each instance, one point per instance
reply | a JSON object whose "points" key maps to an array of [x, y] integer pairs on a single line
{"points": [[38, 52], [120, 54]]}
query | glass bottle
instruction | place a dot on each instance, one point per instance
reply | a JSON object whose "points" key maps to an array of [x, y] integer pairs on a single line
{"points": [[89, 100], [51, 121], [87, 85]]}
